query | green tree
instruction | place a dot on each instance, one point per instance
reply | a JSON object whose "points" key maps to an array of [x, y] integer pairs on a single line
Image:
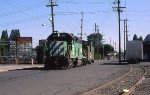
{"points": [[99, 47], [106, 48], [4, 35], [1, 50], [140, 38], [4, 40], [14, 34], [96, 39], [135, 37]]}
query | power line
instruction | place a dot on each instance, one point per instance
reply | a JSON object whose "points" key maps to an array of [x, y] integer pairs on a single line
{"points": [[21, 10], [106, 17], [79, 3], [41, 16], [27, 8], [25, 20], [67, 21]]}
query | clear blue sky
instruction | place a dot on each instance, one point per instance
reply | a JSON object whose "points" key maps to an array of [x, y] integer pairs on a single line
{"points": [[29, 15]]}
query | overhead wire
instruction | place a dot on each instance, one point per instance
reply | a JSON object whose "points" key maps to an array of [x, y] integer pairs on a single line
{"points": [[67, 20], [25, 20], [29, 19], [28, 15], [74, 27], [77, 3], [39, 36], [42, 16], [78, 14], [27, 8], [36, 18], [106, 17]]}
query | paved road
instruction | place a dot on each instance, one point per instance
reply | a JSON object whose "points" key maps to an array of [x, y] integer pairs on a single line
{"points": [[59, 82]]}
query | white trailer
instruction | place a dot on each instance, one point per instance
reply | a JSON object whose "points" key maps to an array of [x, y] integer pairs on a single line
{"points": [[134, 51]]}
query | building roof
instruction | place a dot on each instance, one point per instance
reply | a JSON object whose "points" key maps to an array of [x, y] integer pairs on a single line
{"points": [[147, 38]]}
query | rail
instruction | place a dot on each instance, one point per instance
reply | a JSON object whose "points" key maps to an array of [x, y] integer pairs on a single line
{"points": [[132, 89], [95, 90]]}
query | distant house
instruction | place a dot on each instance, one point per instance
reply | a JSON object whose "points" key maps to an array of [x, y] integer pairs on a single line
{"points": [[146, 47]]}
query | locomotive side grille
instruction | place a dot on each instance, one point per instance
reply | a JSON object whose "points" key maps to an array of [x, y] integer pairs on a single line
{"points": [[57, 48]]}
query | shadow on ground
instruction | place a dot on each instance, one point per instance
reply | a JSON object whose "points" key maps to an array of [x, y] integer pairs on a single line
{"points": [[115, 63], [38, 68]]}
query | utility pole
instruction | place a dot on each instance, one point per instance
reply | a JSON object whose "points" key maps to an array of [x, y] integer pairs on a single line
{"points": [[110, 40], [103, 40], [95, 27], [115, 47], [114, 44], [119, 10], [124, 38], [52, 4], [95, 35], [126, 30], [81, 25], [98, 44]]}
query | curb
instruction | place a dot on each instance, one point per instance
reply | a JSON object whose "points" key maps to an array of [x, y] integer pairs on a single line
{"points": [[20, 68], [3, 70]]}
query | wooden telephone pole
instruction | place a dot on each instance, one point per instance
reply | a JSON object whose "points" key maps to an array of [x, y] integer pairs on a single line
{"points": [[124, 38], [119, 10], [52, 4], [82, 25], [127, 30]]}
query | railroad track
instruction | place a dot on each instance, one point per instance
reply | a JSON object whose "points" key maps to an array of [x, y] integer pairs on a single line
{"points": [[147, 71], [144, 88], [124, 85]]}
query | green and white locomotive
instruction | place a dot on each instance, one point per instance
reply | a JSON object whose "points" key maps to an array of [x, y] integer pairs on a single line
{"points": [[66, 51]]}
